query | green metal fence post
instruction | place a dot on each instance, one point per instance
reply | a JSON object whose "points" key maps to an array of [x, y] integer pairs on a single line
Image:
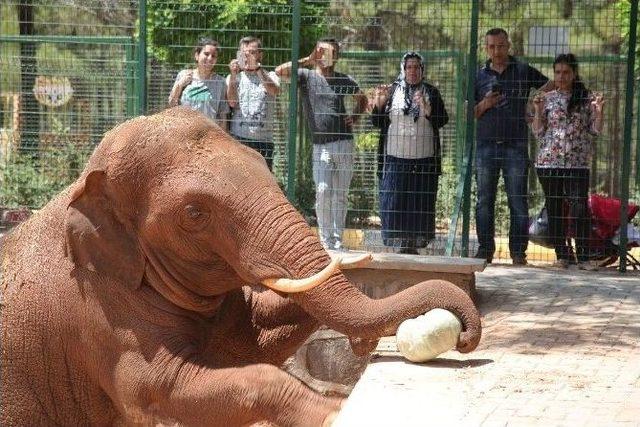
{"points": [[471, 78], [463, 191], [130, 80], [626, 148], [142, 59], [459, 111], [293, 101]]}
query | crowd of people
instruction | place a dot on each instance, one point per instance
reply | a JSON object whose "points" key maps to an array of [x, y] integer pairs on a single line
{"points": [[563, 115]]}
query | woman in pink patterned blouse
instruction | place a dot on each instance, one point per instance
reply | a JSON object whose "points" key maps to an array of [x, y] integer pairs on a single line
{"points": [[565, 122]]}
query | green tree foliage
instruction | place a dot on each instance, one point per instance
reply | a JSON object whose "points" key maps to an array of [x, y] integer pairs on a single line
{"points": [[623, 8], [174, 27]]}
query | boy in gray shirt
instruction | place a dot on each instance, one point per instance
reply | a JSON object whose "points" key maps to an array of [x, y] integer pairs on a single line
{"points": [[323, 91]]}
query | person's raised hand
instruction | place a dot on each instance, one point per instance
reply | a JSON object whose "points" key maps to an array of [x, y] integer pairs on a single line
{"points": [[538, 102], [491, 99], [422, 102], [186, 78], [597, 102], [234, 67], [381, 95]]}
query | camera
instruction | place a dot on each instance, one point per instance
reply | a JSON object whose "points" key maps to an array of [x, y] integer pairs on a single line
{"points": [[496, 87]]}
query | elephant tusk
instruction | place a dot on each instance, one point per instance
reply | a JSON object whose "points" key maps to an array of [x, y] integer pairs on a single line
{"points": [[290, 286], [300, 285], [355, 262]]}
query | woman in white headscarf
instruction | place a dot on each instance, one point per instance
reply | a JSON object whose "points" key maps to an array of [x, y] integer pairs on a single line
{"points": [[409, 113]]}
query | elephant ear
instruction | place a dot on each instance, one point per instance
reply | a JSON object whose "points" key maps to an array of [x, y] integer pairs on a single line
{"points": [[94, 237]]}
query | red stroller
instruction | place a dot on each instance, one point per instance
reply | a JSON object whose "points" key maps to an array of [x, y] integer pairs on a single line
{"points": [[605, 222]]}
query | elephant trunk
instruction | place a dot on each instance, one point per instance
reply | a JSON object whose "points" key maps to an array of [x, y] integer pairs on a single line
{"points": [[340, 305]]}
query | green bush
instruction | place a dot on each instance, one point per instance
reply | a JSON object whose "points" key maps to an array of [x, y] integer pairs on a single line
{"points": [[363, 195], [30, 180]]}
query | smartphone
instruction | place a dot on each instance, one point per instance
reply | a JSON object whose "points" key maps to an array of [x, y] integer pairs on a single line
{"points": [[240, 57], [327, 55], [497, 88], [250, 62]]}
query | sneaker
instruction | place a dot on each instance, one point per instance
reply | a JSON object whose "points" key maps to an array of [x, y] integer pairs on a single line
{"points": [[482, 255], [519, 260], [588, 265]]}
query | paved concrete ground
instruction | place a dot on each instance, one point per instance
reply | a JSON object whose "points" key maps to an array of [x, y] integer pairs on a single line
{"points": [[559, 348]]}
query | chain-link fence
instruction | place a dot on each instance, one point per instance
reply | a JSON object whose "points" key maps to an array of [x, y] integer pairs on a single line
{"points": [[67, 75], [70, 70]]}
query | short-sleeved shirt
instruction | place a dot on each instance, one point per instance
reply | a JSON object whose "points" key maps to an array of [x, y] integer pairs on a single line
{"points": [[253, 117], [566, 140], [323, 102], [506, 121], [207, 96]]}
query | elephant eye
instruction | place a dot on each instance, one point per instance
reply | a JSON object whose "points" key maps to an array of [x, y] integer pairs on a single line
{"points": [[193, 212], [195, 217]]}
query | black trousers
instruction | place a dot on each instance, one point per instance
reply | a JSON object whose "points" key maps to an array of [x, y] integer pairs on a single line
{"points": [[566, 191]]}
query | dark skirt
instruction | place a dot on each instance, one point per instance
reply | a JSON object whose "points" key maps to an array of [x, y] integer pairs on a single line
{"points": [[408, 190]]}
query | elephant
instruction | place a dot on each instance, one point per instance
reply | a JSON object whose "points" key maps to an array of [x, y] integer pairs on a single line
{"points": [[170, 282]]}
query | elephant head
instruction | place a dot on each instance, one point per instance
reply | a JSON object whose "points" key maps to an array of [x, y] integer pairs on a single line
{"points": [[173, 201]]}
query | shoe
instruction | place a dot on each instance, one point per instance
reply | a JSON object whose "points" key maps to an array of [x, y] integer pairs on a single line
{"points": [[519, 260], [588, 265], [482, 255], [561, 263]]}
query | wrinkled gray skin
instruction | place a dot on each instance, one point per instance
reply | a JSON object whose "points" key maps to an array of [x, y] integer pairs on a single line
{"points": [[133, 297]]}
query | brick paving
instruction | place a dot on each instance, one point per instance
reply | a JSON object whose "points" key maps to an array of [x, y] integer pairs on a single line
{"points": [[559, 348]]}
